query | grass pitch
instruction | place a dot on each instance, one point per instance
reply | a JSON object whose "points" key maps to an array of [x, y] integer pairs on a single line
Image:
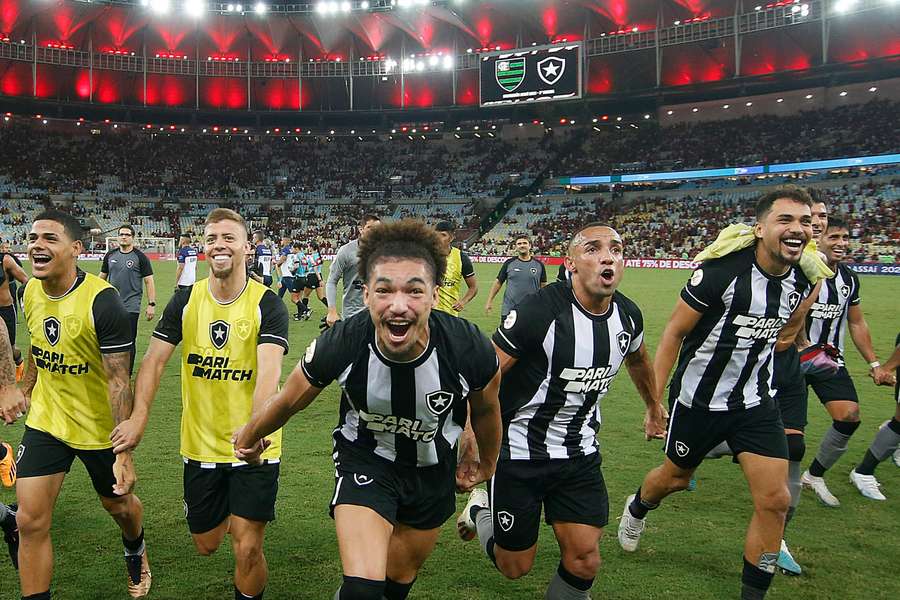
{"points": [[691, 549]]}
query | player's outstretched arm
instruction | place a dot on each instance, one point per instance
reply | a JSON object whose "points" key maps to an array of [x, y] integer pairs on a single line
{"points": [[296, 394], [794, 332], [860, 334], [12, 401], [682, 322], [640, 369], [268, 364], [128, 433], [485, 419]]}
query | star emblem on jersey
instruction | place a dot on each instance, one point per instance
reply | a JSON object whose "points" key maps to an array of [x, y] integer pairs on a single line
{"points": [[361, 479], [681, 449], [624, 340], [439, 401], [242, 328], [793, 300], [845, 290], [510, 73], [51, 330], [506, 520], [72, 325], [551, 69], [218, 333]]}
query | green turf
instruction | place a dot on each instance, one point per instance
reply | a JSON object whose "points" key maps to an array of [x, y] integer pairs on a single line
{"points": [[691, 549]]}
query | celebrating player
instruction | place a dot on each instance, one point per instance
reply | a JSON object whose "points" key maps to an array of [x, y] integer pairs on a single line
{"points": [[837, 306], [233, 333], [523, 274], [559, 350], [409, 376], [11, 272], [344, 267], [79, 388], [726, 324]]}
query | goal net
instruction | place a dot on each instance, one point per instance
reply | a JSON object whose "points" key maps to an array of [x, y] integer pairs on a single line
{"points": [[156, 248]]}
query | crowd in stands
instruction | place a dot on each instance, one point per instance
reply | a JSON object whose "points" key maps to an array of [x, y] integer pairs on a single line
{"points": [[316, 188]]}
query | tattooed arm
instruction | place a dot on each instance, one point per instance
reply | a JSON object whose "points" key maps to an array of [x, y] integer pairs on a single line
{"points": [[12, 402], [121, 399]]}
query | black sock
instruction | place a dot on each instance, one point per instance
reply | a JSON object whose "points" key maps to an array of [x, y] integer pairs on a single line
{"points": [[299, 310], [574, 580], [324, 301], [239, 595], [358, 588], [41, 596], [640, 507], [816, 469], [397, 591], [305, 303], [755, 582], [133, 546], [868, 464]]}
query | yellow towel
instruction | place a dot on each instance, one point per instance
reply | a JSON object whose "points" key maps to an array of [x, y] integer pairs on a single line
{"points": [[739, 236]]}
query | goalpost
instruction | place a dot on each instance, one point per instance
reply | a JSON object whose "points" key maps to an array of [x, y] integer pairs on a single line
{"points": [[156, 248]]}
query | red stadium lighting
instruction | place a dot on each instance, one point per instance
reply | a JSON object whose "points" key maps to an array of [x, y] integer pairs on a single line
{"points": [[604, 118], [216, 128], [277, 130], [149, 126]]}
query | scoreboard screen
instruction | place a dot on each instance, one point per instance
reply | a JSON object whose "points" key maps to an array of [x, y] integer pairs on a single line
{"points": [[537, 74]]}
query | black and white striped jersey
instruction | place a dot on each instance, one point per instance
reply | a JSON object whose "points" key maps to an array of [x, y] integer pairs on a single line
{"points": [[725, 362], [408, 413], [826, 322], [566, 359]]}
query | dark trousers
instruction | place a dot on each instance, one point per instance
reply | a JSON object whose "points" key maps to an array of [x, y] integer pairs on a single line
{"points": [[133, 319]]}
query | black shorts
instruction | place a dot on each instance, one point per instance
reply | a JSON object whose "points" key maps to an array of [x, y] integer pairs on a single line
{"points": [[287, 282], [418, 497], [267, 280], [833, 387], [791, 394], [8, 314], [42, 454], [571, 491], [210, 495], [312, 281], [184, 287], [694, 432], [297, 284]]}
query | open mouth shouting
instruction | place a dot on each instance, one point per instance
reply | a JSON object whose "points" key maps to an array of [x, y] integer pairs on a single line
{"points": [[40, 260], [607, 276], [398, 330]]}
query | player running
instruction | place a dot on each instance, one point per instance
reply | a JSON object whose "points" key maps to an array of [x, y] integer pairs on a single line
{"points": [[409, 377], [560, 349], [726, 324], [233, 333], [837, 309], [79, 388]]}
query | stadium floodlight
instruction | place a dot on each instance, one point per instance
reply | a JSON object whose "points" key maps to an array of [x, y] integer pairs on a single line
{"points": [[260, 8], [808, 96], [230, 8], [748, 103], [780, 100], [145, 3], [420, 66], [345, 7], [389, 65], [364, 5], [238, 8], [843, 93], [448, 63], [432, 61], [160, 7], [873, 89], [842, 6], [194, 8], [321, 8]]}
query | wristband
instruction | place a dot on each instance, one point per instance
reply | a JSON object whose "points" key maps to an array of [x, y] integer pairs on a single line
{"points": [[874, 364]]}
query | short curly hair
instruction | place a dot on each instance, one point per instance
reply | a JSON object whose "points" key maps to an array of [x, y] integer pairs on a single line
{"points": [[406, 239]]}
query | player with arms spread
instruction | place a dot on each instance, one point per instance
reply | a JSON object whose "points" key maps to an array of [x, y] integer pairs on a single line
{"points": [[409, 377]]}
